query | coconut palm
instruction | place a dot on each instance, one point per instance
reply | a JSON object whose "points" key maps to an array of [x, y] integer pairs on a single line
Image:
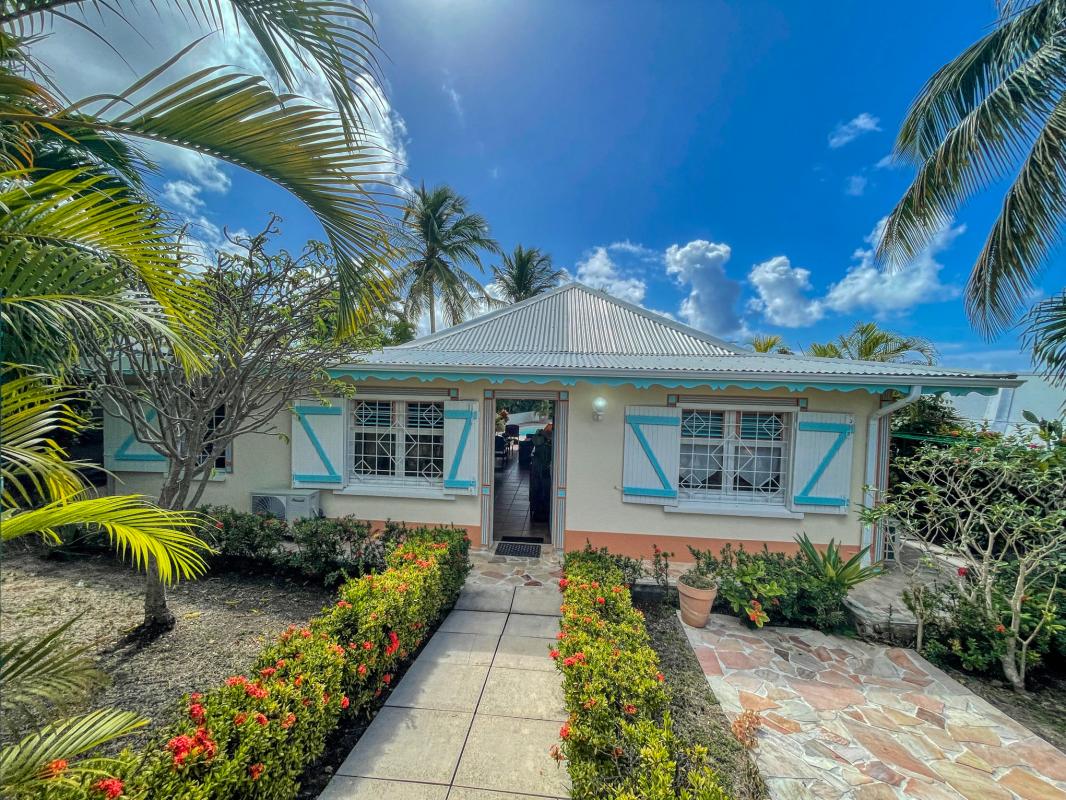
{"points": [[867, 342], [437, 237], [769, 343], [525, 273], [996, 112]]}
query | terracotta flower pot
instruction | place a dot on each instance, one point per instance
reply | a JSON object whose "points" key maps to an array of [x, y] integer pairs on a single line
{"points": [[695, 604]]}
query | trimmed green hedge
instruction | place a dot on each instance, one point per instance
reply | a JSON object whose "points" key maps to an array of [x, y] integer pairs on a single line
{"points": [[253, 736], [618, 740]]}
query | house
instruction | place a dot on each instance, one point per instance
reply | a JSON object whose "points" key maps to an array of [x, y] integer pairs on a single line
{"points": [[1002, 411], [660, 434]]}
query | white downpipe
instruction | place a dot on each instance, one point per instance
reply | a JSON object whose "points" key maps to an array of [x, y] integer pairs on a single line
{"points": [[871, 458]]}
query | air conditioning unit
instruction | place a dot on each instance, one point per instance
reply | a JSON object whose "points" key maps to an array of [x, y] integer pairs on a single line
{"points": [[286, 504]]}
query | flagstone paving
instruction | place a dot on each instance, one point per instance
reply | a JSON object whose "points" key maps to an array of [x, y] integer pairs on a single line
{"points": [[475, 715], [847, 720]]}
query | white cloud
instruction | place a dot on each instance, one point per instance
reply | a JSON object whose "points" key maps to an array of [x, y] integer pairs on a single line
{"points": [[599, 271], [183, 196], [855, 186], [887, 161], [711, 304], [454, 97], [203, 238], [782, 294], [867, 287], [847, 132], [634, 249]]}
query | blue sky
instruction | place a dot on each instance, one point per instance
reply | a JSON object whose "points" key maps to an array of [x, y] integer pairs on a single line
{"points": [[721, 162]]}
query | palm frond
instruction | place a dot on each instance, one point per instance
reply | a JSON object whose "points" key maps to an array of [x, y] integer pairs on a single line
{"points": [[36, 669], [145, 533], [55, 295], [1045, 335], [24, 764], [32, 464], [239, 119], [69, 210], [1028, 228], [295, 36]]}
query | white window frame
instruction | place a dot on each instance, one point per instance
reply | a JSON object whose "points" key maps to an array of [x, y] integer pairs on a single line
{"points": [[727, 500], [225, 457], [396, 484]]}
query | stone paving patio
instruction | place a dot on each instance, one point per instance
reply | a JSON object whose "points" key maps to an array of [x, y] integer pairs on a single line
{"points": [[488, 569], [846, 720], [476, 714]]}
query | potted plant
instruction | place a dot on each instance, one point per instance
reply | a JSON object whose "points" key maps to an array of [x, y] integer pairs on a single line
{"points": [[697, 591]]}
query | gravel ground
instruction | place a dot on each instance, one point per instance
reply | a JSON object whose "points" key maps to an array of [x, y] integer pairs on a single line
{"points": [[697, 716], [223, 621]]}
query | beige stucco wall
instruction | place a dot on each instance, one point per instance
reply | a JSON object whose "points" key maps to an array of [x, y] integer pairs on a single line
{"points": [[594, 504]]}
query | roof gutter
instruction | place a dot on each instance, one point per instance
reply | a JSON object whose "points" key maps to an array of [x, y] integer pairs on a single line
{"points": [[870, 475]]}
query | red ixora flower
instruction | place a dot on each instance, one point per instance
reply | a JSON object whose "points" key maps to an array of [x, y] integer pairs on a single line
{"points": [[660, 677], [362, 669], [236, 680], [564, 732], [629, 708], [290, 718], [262, 719], [563, 583], [600, 600], [343, 604], [256, 691], [553, 653], [219, 525], [240, 718], [345, 702], [1001, 628], [963, 572], [53, 769], [368, 645], [393, 645], [256, 770], [109, 787], [386, 678], [196, 712]]}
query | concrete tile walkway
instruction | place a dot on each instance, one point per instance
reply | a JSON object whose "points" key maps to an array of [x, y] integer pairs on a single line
{"points": [[475, 715], [847, 720]]}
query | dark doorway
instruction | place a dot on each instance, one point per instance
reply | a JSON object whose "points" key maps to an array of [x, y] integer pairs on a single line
{"points": [[522, 496]]}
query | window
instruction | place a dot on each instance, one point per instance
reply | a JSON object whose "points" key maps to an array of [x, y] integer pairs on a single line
{"points": [[222, 460], [733, 456], [397, 442]]}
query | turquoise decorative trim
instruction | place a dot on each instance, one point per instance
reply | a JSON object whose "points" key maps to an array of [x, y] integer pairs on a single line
{"points": [[561, 493], [666, 422], [635, 421], [317, 478], [123, 453], [454, 484], [485, 490], [468, 416], [331, 476], [647, 383], [843, 431], [640, 491], [564, 395], [819, 501], [318, 411]]}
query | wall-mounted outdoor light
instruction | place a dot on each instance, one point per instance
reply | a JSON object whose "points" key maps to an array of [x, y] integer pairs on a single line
{"points": [[599, 407]]}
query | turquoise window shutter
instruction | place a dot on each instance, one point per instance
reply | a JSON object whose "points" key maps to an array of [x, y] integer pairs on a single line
{"points": [[651, 455], [318, 443], [460, 446], [124, 453], [822, 463]]}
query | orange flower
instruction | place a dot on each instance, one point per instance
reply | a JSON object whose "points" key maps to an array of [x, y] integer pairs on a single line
{"points": [[256, 770], [56, 768], [109, 787]]}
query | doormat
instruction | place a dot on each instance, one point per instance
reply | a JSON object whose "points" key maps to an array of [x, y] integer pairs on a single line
{"points": [[519, 549], [523, 539]]}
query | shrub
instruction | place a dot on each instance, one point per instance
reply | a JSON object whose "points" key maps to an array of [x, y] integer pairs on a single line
{"points": [[1000, 510], [618, 740], [632, 569], [243, 535], [335, 548], [765, 588], [254, 735]]}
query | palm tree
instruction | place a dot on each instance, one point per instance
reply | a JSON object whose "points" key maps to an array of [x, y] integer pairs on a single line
{"points": [[526, 273], [437, 237], [769, 343], [867, 342], [998, 110], [42, 492]]}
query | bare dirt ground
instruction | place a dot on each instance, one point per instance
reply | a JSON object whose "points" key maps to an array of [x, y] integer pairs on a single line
{"points": [[223, 621]]}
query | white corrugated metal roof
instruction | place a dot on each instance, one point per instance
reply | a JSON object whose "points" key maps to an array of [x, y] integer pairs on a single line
{"points": [[579, 331], [573, 319]]}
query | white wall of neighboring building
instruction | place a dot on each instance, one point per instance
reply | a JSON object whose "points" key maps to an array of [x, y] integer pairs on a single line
{"points": [[1002, 411]]}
